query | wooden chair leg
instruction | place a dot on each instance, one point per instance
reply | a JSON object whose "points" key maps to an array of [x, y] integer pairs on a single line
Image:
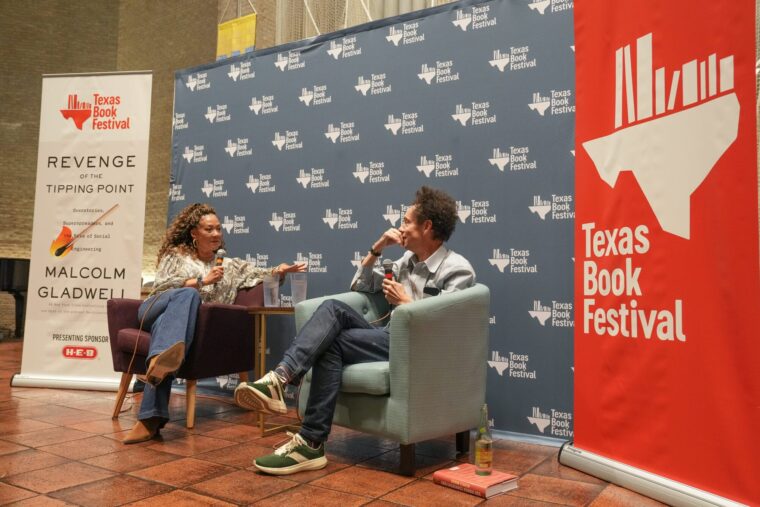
{"points": [[190, 389], [463, 442], [407, 460], [126, 378]]}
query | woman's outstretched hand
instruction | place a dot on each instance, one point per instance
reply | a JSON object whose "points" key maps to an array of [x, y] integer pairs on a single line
{"points": [[284, 269]]}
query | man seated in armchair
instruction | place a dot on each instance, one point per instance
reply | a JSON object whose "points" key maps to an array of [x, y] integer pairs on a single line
{"points": [[337, 335]]}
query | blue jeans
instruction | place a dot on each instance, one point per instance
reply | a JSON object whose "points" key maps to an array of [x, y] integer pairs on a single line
{"points": [[334, 336], [171, 316]]}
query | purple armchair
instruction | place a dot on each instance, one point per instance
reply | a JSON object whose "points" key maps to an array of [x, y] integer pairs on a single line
{"points": [[223, 343]]}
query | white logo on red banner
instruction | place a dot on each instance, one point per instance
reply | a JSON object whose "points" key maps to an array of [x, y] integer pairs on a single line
{"points": [[685, 138]]}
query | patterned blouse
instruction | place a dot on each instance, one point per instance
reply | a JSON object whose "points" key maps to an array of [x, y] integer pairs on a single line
{"points": [[176, 268]]}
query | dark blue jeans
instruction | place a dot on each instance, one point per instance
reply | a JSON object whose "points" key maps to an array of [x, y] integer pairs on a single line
{"points": [[334, 336], [171, 317]]}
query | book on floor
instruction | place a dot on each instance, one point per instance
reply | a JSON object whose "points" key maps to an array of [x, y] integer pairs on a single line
{"points": [[464, 478]]}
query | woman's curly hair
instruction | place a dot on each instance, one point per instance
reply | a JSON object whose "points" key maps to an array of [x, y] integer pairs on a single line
{"points": [[177, 237], [438, 207]]}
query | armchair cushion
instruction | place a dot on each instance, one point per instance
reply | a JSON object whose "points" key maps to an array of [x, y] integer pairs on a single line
{"points": [[127, 339]]}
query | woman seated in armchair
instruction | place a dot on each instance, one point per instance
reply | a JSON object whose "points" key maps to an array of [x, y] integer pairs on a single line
{"points": [[188, 275]]}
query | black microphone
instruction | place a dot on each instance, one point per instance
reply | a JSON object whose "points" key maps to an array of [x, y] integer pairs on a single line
{"points": [[388, 268], [219, 257]]}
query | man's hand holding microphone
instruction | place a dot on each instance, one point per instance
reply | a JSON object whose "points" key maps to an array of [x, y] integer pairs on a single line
{"points": [[394, 292]]}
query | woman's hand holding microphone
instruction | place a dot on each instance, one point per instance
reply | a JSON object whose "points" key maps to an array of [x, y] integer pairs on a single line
{"points": [[213, 276]]}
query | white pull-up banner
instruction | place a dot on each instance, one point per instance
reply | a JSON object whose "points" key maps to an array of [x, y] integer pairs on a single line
{"points": [[88, 224]]}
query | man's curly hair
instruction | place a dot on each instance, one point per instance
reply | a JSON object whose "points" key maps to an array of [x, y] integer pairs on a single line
{"points": [[438, 207], [177, 237]]}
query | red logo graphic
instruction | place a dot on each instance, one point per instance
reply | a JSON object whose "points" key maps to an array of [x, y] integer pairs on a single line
{"points": [[103, 111], [77, 111], [75, 352], [63, 244]]}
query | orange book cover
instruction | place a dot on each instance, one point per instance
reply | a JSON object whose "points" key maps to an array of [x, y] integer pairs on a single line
{"points": [[464, 478]]}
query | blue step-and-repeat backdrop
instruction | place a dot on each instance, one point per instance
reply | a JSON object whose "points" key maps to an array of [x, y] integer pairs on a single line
{"points": [[310, 151]]}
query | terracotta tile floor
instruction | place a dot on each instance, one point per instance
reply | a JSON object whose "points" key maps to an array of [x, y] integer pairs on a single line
{"points": [[60, 447]]}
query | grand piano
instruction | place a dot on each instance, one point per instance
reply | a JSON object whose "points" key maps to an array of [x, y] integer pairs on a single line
{"points": [[14, 278]]}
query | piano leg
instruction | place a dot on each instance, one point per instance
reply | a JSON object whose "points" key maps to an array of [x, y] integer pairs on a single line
{"points": [[19, 297]]}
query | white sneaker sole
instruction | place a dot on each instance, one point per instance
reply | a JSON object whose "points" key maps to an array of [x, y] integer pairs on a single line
{"points": [[312, 464], [253, 399]]}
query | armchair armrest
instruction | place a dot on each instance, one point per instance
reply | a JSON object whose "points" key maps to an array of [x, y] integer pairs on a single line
{"points": [[438, 353], [371, 306], [121, 314]]}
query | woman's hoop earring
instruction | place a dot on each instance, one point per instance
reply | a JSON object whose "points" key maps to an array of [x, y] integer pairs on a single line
{"points": [[195, 244]]}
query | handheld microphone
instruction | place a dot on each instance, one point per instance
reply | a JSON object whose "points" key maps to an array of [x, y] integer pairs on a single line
{"points": [[219, 257], [388, 268]]}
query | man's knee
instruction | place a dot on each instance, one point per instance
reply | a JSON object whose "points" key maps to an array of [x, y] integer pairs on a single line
{"points": [[333, 305]]}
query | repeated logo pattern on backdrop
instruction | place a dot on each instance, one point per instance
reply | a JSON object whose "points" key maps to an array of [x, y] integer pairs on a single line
{"points": [[309, 152]]}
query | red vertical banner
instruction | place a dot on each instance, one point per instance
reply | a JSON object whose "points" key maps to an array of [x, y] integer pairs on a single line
{"points": [[667, 288]]}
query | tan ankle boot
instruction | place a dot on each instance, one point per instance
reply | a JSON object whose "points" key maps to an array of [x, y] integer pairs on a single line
{"points": [[143, 431], [165, 363]]}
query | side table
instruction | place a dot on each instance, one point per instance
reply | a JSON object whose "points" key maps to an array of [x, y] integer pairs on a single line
{"points": [[260, 314]]}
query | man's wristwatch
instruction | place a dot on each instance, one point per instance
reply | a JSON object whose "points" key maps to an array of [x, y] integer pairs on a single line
{"points": [[199, 280], [373, 252]]}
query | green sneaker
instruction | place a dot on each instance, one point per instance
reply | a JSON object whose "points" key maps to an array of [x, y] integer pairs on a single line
{"points": [[264, 395], [294, 456]]}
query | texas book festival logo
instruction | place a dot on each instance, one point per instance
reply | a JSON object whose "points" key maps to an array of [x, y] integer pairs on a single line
{"points": [[682, 136], [103, 109]]}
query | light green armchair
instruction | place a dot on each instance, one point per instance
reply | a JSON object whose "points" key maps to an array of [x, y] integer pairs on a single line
{"points": [[435, 381]]}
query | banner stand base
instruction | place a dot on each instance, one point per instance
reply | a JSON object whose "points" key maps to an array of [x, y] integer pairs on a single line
{"points": [[528, 439], [85, 384], [654, 486]]}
